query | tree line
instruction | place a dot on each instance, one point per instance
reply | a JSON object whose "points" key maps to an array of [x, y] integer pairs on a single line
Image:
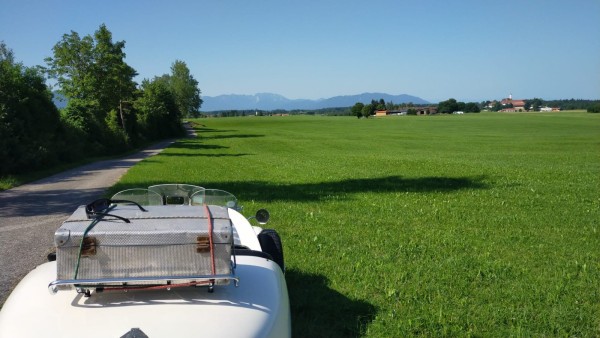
{"points": [[107, 112], [445, 107], [536, 103], [452, 105]]}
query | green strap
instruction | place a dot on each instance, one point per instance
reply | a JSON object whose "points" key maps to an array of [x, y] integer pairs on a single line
{"points": [[89, 227]]}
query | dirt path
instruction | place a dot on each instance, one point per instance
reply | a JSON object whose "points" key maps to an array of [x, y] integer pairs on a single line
{"points": [[29, 214]]}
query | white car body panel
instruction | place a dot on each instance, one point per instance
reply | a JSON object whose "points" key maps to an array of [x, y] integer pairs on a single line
{"points": [[244, 231], [258, 307]]}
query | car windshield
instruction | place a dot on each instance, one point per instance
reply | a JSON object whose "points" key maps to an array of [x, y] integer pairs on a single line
{"points": [[178, 194]]}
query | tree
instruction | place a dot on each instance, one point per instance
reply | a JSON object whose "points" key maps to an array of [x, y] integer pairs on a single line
{"points": [[357, 109], [536, 104], [81, 120], [497, 106], [6, 54], [92, 70], [158, 114], [113, 77], [30, 127], [185, 88], [594, 108], [390, 106], [71, 66], [472, 107], [368, 110], [448, 107]]}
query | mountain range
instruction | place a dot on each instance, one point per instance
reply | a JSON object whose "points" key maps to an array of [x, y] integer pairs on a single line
{"points": [[270, 101]]}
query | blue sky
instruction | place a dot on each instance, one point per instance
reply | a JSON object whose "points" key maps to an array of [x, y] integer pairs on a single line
{"points": [[468, 50]]}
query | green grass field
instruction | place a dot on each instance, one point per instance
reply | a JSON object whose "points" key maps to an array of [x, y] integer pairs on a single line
{"points": [[472, 225]]}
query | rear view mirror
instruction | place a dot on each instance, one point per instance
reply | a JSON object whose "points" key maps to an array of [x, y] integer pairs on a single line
{"points": [[262, 216]]}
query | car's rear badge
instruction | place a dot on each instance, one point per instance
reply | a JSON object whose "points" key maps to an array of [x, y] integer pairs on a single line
{"points": [[135, 333]]}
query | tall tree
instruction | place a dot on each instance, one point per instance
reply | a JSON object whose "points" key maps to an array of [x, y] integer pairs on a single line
{"points": [[92, 69], [158, 114], [185, 89], [113, 77]]}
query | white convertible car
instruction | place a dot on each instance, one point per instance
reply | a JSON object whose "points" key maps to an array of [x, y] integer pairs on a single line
{"points": [[172, 260]]}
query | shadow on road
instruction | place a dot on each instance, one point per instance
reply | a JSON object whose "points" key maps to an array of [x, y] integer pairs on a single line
{"points": [[47, 202]]}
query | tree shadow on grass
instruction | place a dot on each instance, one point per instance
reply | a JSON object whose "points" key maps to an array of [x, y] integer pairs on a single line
{"points": [[219, 137], [266, 191], [203, 155], [195, 145], [263, 191], [211, 130], [319, 311]]}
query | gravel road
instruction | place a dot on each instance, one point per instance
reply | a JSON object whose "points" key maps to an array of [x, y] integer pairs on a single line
{"points": [[29, 214]]}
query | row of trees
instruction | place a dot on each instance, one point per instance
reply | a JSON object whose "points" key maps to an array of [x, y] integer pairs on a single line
{"points": [[445, 107], [532, 104], [570, 104], [107, 112], [366, 110], [595, 108], [451, 105]]}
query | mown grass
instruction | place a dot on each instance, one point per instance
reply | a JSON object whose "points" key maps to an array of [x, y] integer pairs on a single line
{"points": [[473, 225]]}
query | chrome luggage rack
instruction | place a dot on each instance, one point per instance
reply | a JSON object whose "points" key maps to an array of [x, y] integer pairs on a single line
{"points": [[130, 283], [163, 194]]}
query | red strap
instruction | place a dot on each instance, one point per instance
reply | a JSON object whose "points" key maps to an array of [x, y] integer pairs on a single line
{"points": [[210, 238]]}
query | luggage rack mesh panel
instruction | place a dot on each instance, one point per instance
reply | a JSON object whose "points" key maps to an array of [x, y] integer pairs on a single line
{"points": [[166, 243]]}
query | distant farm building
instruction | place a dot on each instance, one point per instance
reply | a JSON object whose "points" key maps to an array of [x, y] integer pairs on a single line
{"points": [[549, 109], [512, 105]]}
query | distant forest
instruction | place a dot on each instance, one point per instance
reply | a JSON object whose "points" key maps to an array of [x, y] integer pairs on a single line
{"points": [[574, 104]]}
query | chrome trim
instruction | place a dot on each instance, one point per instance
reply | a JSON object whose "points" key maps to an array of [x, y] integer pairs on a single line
{"points": [[99, 282]]}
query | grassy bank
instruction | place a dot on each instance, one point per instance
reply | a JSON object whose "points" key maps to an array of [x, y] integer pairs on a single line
{"points": [[478, 224]]}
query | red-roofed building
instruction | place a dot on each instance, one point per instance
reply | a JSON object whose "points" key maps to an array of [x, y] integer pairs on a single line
{"points": [[512, 105]]}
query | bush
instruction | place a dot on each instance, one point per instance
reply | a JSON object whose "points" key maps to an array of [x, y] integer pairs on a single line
{"points": [[594, 108]]}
